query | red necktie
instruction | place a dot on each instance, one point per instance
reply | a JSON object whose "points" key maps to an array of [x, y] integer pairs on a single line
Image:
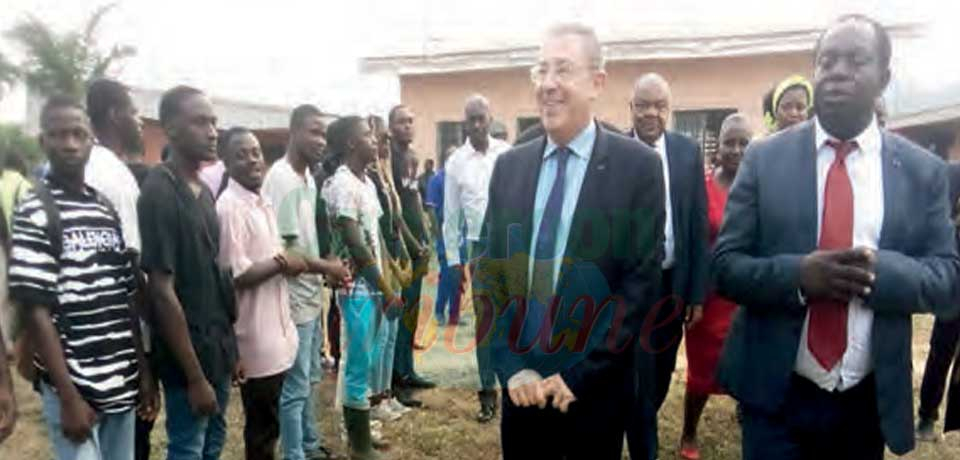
{"points": [[827, 331]]}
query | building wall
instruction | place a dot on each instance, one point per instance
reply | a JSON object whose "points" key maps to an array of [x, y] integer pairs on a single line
{"points": [[272, 141], [737, 82]]}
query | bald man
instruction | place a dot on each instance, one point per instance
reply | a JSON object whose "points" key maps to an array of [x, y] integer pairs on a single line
{"points": [[685, 263], [465, 202]]}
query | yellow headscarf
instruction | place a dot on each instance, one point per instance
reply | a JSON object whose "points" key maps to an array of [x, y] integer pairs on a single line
{"points": [[791, 82]]}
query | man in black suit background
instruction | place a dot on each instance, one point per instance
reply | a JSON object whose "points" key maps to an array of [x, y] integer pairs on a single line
{"points": [[575, 227], [836, 232], [686, 261]]}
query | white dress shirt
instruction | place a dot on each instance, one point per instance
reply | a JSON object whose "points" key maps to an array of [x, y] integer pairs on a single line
{"points": [[107, 174], [865, 168], [669, 258], [465, 192]]}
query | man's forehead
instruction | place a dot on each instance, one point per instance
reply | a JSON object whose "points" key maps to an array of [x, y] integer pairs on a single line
{"points": [[651, 87], [403, 113], [244, 141], [476, 110], [314, 122], [66, 117], [563, 46], [849, 34], [197, 104]]}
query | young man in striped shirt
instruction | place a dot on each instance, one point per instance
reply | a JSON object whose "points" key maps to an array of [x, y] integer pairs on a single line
{"points": [[75, 282]]}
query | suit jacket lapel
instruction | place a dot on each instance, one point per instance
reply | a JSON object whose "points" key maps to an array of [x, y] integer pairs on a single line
{"points": [[532, 162], [892, 191], [676, 184], [589, 200], [806, 197]]}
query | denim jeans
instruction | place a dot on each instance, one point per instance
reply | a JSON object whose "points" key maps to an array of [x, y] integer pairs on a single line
{"points": [[193, 437], [448, 291], [111, 437], [384, 347], [298, 430], [358, 334]]}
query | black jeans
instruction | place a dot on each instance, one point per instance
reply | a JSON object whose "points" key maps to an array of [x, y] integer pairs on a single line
{"points": [[815, 424], [261, 405], [943, 348]]}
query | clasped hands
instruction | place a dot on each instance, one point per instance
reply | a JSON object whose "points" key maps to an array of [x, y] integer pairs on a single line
{"points": [[838, 275], [527, 389]]}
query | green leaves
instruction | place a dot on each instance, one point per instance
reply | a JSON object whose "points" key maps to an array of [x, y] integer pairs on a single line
{"points": [[63, 63], [14, 142]]}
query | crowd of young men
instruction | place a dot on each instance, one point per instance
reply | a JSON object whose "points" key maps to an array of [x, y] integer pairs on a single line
{"points": [[212, 269]]}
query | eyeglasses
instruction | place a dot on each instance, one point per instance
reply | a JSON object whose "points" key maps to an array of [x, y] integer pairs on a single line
{"points": [[563, 72]]}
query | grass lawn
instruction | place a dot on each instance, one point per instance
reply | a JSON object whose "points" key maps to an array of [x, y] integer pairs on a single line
{"points": [[445, 428]]}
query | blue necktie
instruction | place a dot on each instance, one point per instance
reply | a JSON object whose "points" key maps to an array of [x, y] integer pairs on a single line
{"points": [[544, 272]]}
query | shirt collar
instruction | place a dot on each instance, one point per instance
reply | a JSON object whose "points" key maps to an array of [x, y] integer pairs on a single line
{"points": [[469, 146], [241, 192], [581, 145], [659, 145], [869, 140]]}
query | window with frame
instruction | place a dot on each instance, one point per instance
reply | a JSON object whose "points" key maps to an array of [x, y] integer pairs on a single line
{"points": [[702, 126], [449, 133]]}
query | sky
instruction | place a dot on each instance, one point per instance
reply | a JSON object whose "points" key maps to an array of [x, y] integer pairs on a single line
{"points": [[286, 52]]}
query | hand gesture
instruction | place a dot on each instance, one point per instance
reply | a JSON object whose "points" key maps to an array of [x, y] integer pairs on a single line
{"points": [[77, 419], [838, 275], [239, 375], [526, 389], [203, 401], [293, 264], [149, 405], [8, 410], [694, 316], [555, 387], [337, 274]]}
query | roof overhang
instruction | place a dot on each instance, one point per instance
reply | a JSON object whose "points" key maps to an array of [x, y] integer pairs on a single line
{"points": [[791, 41], [926, 117]]}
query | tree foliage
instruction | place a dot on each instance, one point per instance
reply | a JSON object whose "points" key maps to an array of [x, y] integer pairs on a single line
{"points": [[64, 63], [14, 142]]}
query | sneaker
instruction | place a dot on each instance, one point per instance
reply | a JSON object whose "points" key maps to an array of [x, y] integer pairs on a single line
{"points": [[397, 406], [925, 431], [383, 413]]}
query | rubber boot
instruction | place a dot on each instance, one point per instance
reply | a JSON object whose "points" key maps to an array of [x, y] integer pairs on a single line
{"points": [[358, 434]]}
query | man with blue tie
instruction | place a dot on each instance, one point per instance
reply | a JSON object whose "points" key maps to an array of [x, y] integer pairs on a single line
{"points": [[574, 229], [836, 232]]}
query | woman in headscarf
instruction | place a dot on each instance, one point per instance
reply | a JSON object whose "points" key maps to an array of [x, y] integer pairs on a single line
{"points": [[788, 103], [705, 337]]}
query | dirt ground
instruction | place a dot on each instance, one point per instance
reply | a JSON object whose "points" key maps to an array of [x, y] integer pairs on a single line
{"points": [[445, 430]]}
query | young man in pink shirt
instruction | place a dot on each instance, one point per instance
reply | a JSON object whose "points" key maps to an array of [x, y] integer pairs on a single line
{"points": [[250, 245]]}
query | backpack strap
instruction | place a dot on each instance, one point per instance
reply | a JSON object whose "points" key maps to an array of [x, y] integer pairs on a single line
{"points": [[224, 181], [54, 224]]}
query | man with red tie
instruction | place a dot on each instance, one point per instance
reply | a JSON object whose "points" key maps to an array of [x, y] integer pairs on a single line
{"points": [[835, 232]]}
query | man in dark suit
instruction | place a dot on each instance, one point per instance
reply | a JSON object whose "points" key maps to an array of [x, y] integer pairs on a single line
{"points": [[685, 263], [575, 226], [836, 232]]}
